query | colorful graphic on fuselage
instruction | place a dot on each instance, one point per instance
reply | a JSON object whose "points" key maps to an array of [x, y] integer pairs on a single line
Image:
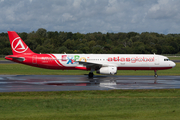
{"points": [[71, 59]]}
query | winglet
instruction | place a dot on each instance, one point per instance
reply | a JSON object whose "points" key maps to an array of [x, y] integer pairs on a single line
{"points": [[17, 44]]}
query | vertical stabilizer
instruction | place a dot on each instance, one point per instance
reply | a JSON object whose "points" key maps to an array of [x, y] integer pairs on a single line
{"points": [[17, 44]]}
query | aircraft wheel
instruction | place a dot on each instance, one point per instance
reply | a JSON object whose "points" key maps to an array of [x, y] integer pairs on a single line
{"points": [[155, 76], [90, 75]]}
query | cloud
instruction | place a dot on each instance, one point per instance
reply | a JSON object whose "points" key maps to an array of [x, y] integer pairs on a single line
{"points": [[164, 9], [86, 16]]}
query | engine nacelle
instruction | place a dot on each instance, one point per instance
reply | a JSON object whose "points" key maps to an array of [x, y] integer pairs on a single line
{"points": [[107, 70]]}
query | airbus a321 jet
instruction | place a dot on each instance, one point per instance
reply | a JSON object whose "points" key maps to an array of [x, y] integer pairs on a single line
{"points": [[101, 63]]}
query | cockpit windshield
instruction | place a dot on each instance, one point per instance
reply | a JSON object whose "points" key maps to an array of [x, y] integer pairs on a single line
{"points": [[166, 59]]}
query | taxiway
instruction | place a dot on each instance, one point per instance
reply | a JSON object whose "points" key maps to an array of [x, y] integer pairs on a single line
{"points": [[14, 83]]}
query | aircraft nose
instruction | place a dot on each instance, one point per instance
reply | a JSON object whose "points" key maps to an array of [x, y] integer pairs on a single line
{"points": [[173, 64]]}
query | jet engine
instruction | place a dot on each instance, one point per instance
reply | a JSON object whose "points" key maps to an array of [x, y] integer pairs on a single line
{"points": [[107, 70]]}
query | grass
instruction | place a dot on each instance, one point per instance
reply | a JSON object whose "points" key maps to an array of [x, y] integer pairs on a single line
{"points": [[2, 59], [20, 69], [108, 105], [174, 58]]}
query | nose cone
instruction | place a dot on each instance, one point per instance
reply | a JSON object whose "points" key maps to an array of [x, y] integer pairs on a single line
{"points": [[173, 64]]}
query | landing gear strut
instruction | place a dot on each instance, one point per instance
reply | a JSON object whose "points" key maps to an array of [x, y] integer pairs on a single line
{"points": [[155, 74]]}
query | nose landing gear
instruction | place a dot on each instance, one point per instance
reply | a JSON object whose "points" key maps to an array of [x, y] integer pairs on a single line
{"points": [[155, 74]]}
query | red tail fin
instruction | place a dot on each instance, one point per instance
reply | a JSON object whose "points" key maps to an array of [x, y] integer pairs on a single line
{"points": [[17, 44]]}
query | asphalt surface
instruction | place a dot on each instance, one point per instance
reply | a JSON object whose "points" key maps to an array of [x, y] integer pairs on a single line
{"points": [[15, 83], [6, 61]]}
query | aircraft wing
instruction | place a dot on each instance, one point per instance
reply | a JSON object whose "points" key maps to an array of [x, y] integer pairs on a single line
{"points": [[93, 64]]}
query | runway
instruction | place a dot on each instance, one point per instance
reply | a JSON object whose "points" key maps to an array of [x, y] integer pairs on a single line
{"points": [[15, 83]]}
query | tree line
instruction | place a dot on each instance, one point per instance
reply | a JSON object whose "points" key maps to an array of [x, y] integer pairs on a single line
{"points": [[43, 41]]}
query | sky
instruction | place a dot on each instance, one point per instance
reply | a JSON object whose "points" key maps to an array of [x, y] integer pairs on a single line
{"points": [[88, 16]]}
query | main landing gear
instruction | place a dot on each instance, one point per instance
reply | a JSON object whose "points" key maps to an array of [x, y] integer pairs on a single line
{"points": [[155, 74], [91, 75]]}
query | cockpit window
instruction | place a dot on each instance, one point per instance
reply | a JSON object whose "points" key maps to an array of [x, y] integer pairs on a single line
{"points": [[166, 59]]}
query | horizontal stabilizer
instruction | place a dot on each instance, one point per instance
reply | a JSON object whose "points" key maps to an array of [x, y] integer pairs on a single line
{"points": [[16, 58]]}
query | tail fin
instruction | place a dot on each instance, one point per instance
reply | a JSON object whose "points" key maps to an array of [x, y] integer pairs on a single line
{"points": [[17, 44]]}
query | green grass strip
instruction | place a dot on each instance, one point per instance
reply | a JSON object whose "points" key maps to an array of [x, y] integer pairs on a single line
{"points": [[174, 58], [88, 105], [2, 59]]}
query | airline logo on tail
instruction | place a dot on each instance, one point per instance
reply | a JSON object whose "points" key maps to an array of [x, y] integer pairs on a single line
{"points": [[18, 45]]}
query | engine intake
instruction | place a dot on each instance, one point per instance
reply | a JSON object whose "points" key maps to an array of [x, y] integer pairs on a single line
{"points": [[107, 70]]}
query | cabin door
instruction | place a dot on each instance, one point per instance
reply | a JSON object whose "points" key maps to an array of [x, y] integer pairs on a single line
{"points": [[34, 59]]}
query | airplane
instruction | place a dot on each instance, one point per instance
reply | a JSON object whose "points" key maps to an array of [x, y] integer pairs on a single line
{"points": [[101, 63]]}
